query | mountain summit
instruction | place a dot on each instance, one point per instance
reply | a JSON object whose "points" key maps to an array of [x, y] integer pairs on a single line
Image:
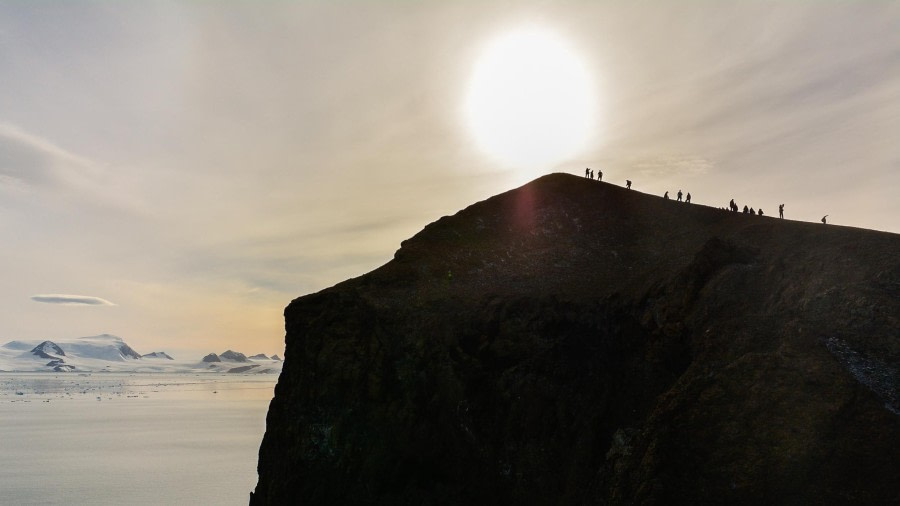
{"points": [[574, 342]]}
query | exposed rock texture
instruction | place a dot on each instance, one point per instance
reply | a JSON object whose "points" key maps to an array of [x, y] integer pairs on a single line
{"points": [[128, 351], [572, 342], [48, 349], [243, 368], [233, 356], [212, 357], [158, 354]]}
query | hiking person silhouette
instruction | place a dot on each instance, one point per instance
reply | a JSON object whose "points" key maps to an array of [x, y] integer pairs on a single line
{"points": [[746, 209], [781, 211], [823, 219], [752, 211], [628, 184], [587, 172], [679, 195], [666, 196], [599, 175], [687, 198], [760, 211], [732, 205]]}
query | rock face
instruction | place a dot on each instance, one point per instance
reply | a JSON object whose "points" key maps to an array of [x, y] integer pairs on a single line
{"points": [[128, 351], [573, 342], [48, 349], [212, 357]]}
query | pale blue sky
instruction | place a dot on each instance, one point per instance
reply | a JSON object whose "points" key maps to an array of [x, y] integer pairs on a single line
{"points": [[200, 164]]}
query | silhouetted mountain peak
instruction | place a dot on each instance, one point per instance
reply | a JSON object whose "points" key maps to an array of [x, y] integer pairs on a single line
{"points": [[576, 342]]}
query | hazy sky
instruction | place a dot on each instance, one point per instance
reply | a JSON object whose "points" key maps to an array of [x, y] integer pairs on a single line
{"points": [[188, 168]]}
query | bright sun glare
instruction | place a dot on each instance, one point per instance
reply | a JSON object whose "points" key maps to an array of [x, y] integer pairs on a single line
{"points": [[530, 100]]}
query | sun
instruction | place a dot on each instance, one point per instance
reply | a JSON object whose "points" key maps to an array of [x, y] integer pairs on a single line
{"points": [[530, 101]]}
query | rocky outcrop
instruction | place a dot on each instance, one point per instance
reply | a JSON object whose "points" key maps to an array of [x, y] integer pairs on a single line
{"points": [[128, 352], [212, 357], [233, 356], [243, 368], [48, 349], [158, 354], [572, 342]]}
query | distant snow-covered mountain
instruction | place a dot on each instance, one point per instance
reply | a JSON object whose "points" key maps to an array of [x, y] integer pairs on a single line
{"points": [[233, 356], [228, 361], [102, 347], [110, 353], [157, 354], [48, 349]]}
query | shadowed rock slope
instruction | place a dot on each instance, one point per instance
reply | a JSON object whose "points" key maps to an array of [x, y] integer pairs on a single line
{"points": [[573, 342]]}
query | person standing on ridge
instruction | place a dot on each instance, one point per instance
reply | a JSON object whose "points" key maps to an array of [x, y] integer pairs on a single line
{"points": [[823, 219], [687, 198], [781, 211], [628, 184], [666, 196], [587, 172], [746, 209], [599, 175], [732, 206], [679, 195], [752, 211], [760, 211]]}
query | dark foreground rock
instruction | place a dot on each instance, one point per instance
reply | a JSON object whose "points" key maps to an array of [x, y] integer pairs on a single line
{"points": [[572, 342]]}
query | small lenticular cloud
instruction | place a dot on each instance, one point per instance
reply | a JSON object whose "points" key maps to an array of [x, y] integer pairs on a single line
{"points": [[71, 300]]}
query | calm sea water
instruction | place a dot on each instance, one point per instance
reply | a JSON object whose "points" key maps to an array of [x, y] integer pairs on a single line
{"points": [[130, 438]]}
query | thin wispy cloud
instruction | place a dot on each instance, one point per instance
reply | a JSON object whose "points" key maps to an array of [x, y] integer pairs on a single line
{"points": [[34, 161], [71, 300]]}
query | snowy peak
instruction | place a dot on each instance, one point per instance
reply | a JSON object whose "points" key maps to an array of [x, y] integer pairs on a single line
{"points": [[47, 349], [128, 351], [227, 360], [158, 354], [18, 346], [233, 356], [93, 353], [103, 347], [109, 353]]}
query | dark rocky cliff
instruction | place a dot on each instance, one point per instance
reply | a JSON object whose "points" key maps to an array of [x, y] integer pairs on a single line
{"points": [[573, 342]]}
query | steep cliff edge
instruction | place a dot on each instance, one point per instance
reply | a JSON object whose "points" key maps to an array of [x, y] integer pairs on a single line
{"points": [[573, 342]]}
